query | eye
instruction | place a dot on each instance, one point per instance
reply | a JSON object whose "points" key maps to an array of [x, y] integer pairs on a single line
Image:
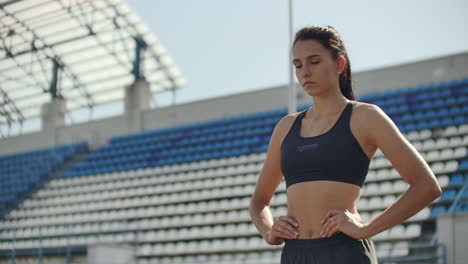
{"points": [[314, 62], [297, 66]]}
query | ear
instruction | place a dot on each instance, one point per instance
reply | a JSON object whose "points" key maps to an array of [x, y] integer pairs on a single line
{"points": [[341, 64]]}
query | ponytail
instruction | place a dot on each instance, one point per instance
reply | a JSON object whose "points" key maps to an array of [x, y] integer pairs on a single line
{"points": [[345, 82]]}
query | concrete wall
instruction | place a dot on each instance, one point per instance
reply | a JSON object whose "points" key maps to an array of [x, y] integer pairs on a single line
{"points": [[25, 142], [98, 132], [452, 230], [216, 108], [422, 72]]}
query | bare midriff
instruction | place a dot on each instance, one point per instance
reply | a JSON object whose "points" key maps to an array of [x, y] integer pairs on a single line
{"points": [[309, 202]]}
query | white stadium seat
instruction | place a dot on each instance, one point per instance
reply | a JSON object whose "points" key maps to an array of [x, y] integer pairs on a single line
{"points": [[443, 180], [362, 204], [413, 231], [388, 200], [382, 235], [400, 249], [397, 232], [383, 250], [400, 186], [365, 217], [375, 202], [385, 187]]}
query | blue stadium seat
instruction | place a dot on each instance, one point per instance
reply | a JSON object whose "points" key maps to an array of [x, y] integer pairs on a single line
{"points": [[456, 180], [19, 172], [448, 195], [463, 165], [435, 211]]}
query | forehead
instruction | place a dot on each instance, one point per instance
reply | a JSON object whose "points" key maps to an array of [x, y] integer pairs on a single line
{"points": [[304, 48]]}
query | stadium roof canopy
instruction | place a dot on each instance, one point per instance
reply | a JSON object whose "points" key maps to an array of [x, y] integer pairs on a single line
{"points": [[86, 51]]}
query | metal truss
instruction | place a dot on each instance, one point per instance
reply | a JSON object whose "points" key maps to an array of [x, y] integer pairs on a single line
{"points": [[86, 51]]}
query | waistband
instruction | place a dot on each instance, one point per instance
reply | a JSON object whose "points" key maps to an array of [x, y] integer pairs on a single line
{"points": [[323, 241]]}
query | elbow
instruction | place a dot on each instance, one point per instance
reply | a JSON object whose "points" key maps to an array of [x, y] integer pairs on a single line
{"points": [[254, 208], [429, 188], [433, 190], [253, 205], [436, 191]]}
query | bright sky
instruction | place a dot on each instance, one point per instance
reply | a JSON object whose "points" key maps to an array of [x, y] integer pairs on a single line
{"points": [[227, 47]]}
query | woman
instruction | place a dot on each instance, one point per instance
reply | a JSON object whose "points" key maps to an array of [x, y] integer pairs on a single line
{"points": [[324, 153]]}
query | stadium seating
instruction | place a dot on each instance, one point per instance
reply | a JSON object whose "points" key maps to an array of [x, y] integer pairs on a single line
{"points": [[182, 193], [21, 172]]}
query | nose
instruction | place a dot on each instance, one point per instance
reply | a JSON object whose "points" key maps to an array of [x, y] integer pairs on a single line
{"points": [[305, 71]]}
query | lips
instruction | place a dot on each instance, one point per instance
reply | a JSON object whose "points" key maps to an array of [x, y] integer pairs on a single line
{"points": [[306, 83]]}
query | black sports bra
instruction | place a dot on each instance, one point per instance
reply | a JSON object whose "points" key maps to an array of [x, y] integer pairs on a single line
{"points": [[333, 156]]}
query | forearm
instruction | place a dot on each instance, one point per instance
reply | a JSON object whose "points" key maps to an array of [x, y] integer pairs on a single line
{"points": [[412, 201], [261, 217]]}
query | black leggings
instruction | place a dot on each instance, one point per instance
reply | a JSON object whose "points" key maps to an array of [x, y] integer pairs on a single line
{"points": [[337, 249]]}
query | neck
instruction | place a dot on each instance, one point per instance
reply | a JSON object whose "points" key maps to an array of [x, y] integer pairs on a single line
{"points": [[325, 105]]}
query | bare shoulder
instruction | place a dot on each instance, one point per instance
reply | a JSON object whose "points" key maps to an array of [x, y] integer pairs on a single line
{"points": [[284, 124], [371, 122], [367, 110], [368, 115], [377, 124]]}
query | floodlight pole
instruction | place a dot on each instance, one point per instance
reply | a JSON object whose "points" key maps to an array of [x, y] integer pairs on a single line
{"points": [[292, 101]]}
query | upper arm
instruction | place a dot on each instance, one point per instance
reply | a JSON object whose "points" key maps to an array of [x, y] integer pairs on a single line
{"points": [[271, 175], [385, 135]]}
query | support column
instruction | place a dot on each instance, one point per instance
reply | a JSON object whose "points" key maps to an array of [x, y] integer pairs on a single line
{"points": [[452, 230], [52, 117], [137, 100]]}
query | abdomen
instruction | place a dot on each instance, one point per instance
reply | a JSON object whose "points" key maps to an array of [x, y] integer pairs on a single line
{"points": [[308, 202]]}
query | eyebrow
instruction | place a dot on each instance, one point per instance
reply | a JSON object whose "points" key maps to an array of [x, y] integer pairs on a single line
{"points": [[308, 57]]}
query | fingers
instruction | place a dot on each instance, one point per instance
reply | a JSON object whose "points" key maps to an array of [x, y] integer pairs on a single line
{"points": [[330, 213], [291, 220], [285, 226], [332, 229], [283, 232], [325, 218], [330, 224], [339, 220], [288, 228]]}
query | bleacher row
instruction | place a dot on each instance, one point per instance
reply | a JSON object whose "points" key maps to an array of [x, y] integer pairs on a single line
{"points": [[193, 208], [207, 140], [429, 106]]}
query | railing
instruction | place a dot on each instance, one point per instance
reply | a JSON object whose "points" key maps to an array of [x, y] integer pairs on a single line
{"points": [[458, 198], [440, 257], [67, 252], [39, 253]]}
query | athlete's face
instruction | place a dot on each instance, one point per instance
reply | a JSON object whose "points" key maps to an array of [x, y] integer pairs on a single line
{"points": [[316, 70]]}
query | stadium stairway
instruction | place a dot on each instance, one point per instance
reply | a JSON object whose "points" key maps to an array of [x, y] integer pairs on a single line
{"points": [[182, 193]]}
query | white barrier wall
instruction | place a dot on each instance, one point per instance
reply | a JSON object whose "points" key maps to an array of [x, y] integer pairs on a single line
{"points": [[111, 253]]}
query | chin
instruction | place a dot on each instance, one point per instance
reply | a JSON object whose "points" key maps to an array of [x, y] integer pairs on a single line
{"points": [[315, 91], [312, 92]]}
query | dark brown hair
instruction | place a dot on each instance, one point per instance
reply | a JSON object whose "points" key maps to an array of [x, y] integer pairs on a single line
{"points": [[331, 40]]}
